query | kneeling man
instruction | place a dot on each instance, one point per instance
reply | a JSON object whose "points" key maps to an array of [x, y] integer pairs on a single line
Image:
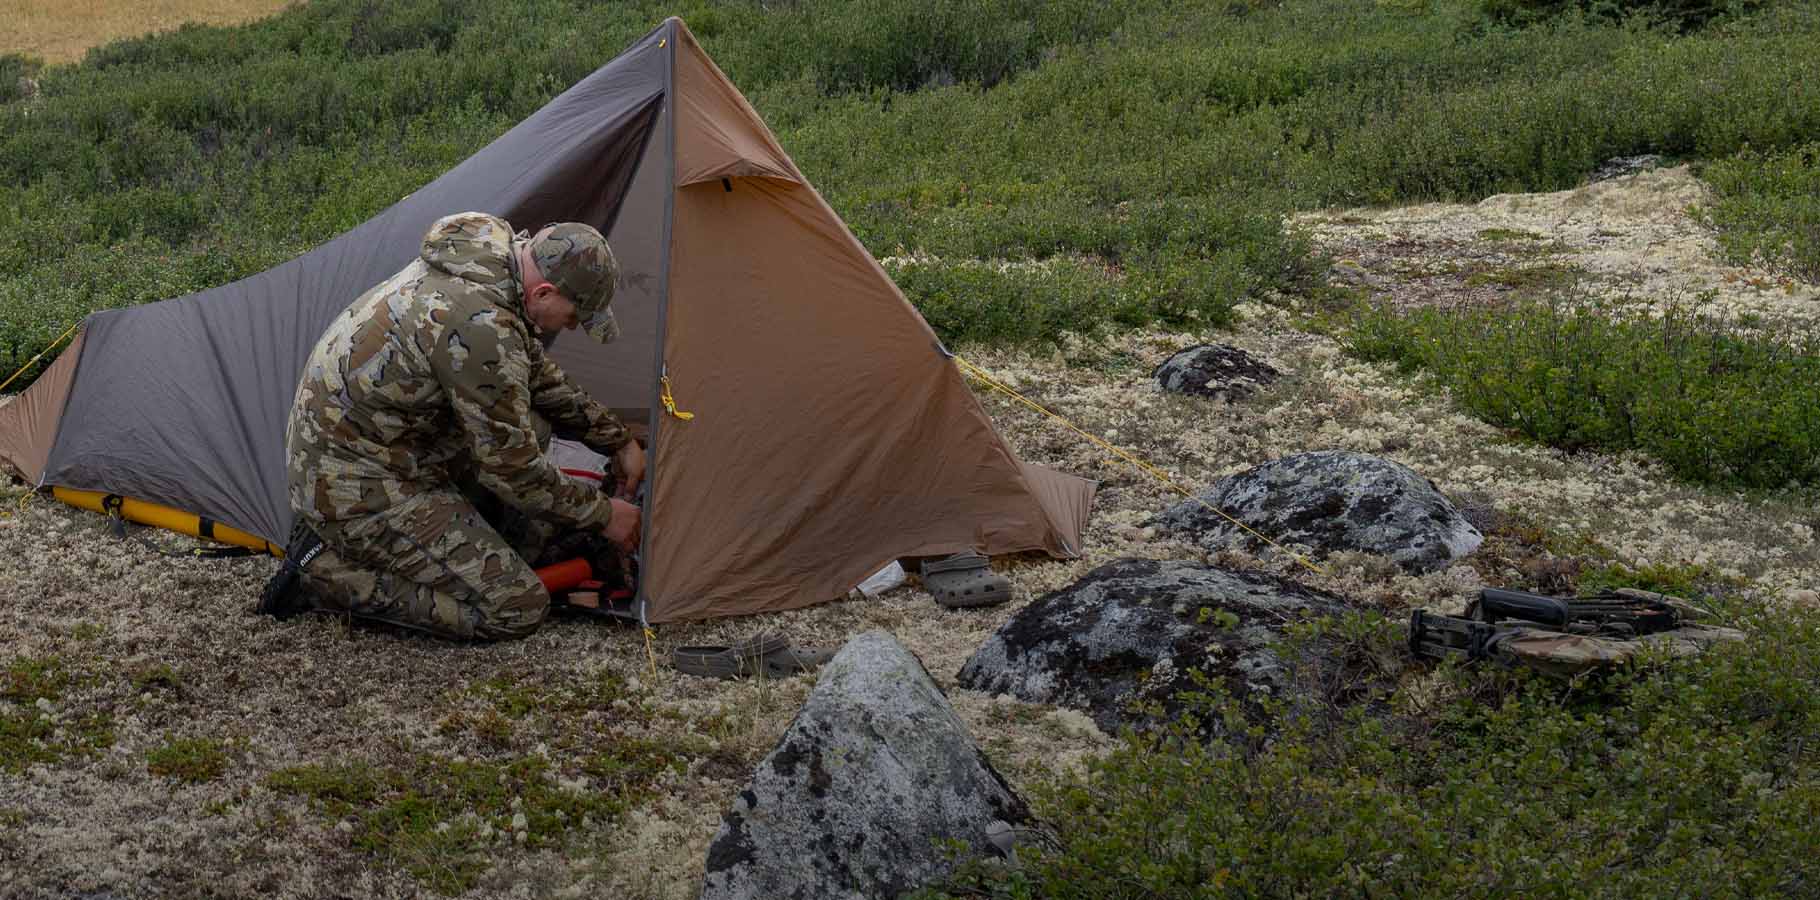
{"points": [[433, 377]]}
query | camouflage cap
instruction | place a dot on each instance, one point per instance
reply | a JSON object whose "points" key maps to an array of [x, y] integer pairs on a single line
{"points": [[576, 259]]}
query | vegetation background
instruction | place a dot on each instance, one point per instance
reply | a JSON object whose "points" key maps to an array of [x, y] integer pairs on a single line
{"points": [[1029, 170]]}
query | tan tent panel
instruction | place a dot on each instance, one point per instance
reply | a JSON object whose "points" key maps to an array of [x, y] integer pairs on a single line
{"points": [[831, 434], [28, 425], [1068, 499], [718, 134]]}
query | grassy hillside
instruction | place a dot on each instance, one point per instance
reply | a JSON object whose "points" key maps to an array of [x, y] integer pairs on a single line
{"points": [[1144, 151]]}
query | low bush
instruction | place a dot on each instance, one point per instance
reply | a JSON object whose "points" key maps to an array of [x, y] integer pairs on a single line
{"points": [[1715, 401], [15, 71], [1682, 15], [1693, 777], [1766, 209], [1158, 143]]}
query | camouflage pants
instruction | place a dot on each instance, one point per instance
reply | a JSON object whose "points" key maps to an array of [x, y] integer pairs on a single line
{"points": [[430, 563]]}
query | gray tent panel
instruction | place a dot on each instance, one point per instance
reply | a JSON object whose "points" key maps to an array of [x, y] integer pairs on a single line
{"points": [[228, 358], [619, 376]]}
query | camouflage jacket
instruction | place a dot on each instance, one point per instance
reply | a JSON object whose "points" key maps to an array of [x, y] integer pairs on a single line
{"points": [[436, 363]]}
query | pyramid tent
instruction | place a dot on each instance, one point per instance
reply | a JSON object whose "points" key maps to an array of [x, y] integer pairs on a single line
{"points": [[831, 432]]}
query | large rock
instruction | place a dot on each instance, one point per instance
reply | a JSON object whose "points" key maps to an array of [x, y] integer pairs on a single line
{"points": [[1331, 500], [857, 798], [1130, 633], [1214, 370]]}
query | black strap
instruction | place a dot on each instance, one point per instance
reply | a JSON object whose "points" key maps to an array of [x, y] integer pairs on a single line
{"points": [[112, 504]]}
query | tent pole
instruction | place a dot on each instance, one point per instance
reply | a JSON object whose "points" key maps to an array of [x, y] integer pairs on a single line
{"points": [[654, 409]]}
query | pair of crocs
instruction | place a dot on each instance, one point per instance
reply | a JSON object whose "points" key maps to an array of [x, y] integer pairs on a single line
{"points": [[965, 580], [766, 655]]}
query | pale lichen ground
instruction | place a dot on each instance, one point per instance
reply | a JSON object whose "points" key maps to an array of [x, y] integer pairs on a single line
{"points": [[1630, 240], [310, 692]]}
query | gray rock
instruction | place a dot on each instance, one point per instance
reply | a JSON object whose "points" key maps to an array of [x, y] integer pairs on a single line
{"points": [[855, 801], [1331, 500], [1214, 370], [1352, 272], [1620, 166], [1129, 633]]}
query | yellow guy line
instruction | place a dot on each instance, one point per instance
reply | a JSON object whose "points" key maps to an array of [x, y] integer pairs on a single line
{"points": [[1141, 465], [34, 360], [669, 401], [18, 508]]}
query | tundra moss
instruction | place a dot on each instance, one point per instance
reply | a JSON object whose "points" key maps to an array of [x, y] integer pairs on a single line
{"points": [[192, 760], [439, 817], [28, 679]]}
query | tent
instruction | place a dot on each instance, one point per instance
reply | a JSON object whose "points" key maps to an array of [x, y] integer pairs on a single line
{"points": [[830, 430]]}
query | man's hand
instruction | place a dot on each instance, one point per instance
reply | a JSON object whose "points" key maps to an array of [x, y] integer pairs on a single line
{"points": [[623, 528], [631, 463]]}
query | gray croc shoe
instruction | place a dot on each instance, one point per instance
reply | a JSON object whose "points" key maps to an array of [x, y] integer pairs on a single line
{"points": [[793, 661], [965, 580], [742, 659]]}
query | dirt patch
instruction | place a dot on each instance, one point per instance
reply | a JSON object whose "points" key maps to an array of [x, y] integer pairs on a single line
{"points": [[60, 31]]}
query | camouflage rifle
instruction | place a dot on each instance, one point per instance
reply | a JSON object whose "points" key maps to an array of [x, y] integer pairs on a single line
{"points": [[1620, 613], [1506, 625]]}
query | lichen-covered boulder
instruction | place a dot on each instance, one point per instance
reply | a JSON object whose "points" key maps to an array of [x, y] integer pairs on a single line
{"points": [[858, 800], [1214, 370], [1130, 632], [1330, 500]]}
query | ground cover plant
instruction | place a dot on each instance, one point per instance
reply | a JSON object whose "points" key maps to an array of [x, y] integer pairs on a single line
{"points": [[1679, 778], [1055, 185], [1715, 401], [1766, 208]]}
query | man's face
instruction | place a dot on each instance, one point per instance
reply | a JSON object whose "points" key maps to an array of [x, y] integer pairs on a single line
{"points": [[550, 311]]}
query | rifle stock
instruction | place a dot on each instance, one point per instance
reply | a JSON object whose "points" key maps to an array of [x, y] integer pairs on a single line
{"points": [[1496, 603]]}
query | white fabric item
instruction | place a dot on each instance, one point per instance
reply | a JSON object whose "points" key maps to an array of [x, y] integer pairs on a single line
{"points": [[881, 581], [578, 462]]}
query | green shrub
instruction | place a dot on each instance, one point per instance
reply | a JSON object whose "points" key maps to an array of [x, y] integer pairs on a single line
{"points": [[1151, 148], [15, 71], [1713, 401], [905, 46], [1678, 778], [1766, 209], [1684, 15]]}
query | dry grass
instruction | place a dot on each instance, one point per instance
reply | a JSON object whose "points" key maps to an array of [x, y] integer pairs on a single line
{"points": [[60, 31], [167, 650]]}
